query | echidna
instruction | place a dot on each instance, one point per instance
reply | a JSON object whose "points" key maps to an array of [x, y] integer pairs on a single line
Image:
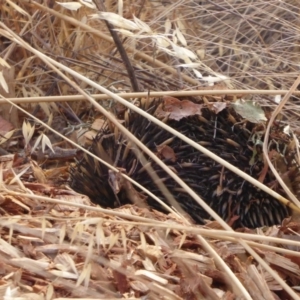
{"points": [[234, 199]]}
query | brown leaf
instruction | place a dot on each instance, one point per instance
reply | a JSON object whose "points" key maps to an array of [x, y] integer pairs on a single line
{"points": [[38, 172], [5, 126], [121, 282], [166, 152], [176, 109], [217, 107], [98, 124]]}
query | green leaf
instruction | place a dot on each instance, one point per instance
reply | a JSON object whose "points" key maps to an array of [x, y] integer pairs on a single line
{"points": [[249, 110]]}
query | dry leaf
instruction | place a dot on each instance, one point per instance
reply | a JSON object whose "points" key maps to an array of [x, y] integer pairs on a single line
{"points": [[217, 107], [5, 126], [70, 5], [116, 20], [38, 172], [249, 110], [177, 109], [166, 152]]}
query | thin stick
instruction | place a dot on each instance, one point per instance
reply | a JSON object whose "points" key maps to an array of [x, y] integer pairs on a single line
{"points": [[130, 70], [265, 144], [150, 94]]}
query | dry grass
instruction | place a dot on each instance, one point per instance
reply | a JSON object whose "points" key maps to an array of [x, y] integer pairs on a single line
{"points": [[54, 243], [254, 44]]}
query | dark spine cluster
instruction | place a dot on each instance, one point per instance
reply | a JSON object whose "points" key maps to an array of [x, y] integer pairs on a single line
{"points": [[234, 199]]}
